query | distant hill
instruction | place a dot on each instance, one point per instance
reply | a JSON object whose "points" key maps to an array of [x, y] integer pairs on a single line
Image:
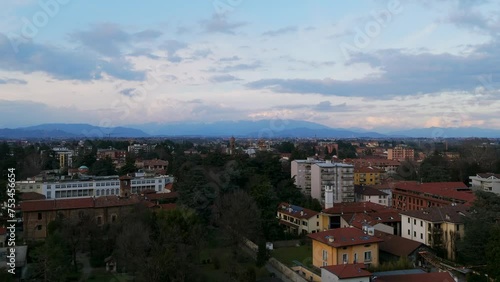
{"points": [[64, 130], [267, 128]]}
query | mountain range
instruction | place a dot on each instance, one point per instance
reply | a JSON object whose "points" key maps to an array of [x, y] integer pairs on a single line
{"points": [[268, 128]]}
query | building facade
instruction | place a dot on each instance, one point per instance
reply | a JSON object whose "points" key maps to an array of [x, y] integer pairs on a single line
{"points": [[401, 153], [97, 186], [338, 177], [410, 195], [489, 182], [298, 220], [301, 170], [437, 227], [367, 175], [344, 246]]}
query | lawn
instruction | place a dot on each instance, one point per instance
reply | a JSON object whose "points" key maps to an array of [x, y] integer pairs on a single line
{"points": [[288, 255]]}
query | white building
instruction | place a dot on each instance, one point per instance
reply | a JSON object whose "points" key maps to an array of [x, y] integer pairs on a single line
{"points": [[435, 227], [97, 186], [301, 170], [337, 176], [489, 182], [345, 273]]}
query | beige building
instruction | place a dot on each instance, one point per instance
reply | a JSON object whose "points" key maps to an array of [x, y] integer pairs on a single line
{"points": [[400, 153], [298, 220], [437, 227], [301, 170]]}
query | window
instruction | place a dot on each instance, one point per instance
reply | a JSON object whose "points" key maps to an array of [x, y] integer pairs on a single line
{"points": [[421, 223], [49, 195], [414, 222], [99, 220], [368, 256], [345, 258], [408, 231], [113, 218], [325, 263], [421, 236], [304, 223], [325, 255], [317, 224], [355, 258], [414, 233], [458, 227], [98, 192], [39, 216], [408, 220], [38, 227]]}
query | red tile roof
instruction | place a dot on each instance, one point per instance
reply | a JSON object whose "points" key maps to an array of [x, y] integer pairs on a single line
{"points": [[30, 196], [342, 237], [296, 211], [453, 190], [454, 214], [345, 271], [420, 277], [78, 203], [397, 245], [162, 196], [367, 169]]}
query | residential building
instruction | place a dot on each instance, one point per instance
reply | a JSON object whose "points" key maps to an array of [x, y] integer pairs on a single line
{"points": [[386, 220], [331, 218], [395, 247], [301, 170], [137, 148], [298, 220], [367, 175], [401, 153], [389, 166], [65, 156], [344, 246], [338, 177], [370, 194], [489, 182], [92, 186], [111, 153], [155, 165], [437, 227], [345, 273], [411, 195]]}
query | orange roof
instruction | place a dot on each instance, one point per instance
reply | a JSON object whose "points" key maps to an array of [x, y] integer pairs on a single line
{"points": [[346, 271], [342, 237], [29, 196]]}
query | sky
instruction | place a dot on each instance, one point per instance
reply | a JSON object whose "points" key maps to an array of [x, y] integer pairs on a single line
{"points": [[377, 65]]}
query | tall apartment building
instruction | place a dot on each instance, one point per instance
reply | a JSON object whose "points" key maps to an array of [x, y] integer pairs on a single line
{"points": [[301, 170], [400, 153], [65, 156], [336, 178]]}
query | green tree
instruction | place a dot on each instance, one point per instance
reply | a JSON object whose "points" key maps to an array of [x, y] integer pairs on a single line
{"points": [[103, 167], [51, 261]]}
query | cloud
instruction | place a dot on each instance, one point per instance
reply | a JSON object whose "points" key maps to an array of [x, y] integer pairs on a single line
{"points": [[281, 31], [223, 78], [12, 81], [327, 106], [148, 34], [219, 24], [229, 59], [402, 74], [172, 47], [61, 63], [129, 92], [242, 67], [109, 39]]}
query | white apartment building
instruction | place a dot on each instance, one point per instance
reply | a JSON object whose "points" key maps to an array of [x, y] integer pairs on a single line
{"points": [[98, 186], [301, 170], [435, 227], [489, 182], [338, 177]]}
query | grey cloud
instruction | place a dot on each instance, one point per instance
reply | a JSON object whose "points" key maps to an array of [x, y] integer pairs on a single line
{"points": [[242, 67], [223, 78], [230, 59], [326, 106], [220, 24], [129, 92], [403, 74], [12, 81], [148, 34], [173, 46], [202, 53], [61, 63], [281, 31]]}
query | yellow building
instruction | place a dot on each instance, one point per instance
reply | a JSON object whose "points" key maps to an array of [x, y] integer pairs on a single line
{"points": [[367, 175], [343, 246]]}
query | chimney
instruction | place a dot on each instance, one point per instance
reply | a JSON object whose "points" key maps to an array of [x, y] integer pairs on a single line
{"points": [[328, 197]]}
